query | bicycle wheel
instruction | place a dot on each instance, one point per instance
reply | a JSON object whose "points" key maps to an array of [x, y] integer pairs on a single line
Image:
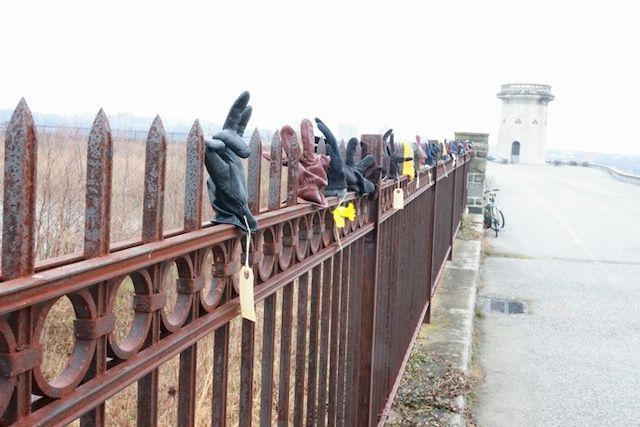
{"points": [[501, 219], [497, 222]]}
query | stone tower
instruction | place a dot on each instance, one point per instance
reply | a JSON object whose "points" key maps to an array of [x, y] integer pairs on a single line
{"points": [[522, 136]]}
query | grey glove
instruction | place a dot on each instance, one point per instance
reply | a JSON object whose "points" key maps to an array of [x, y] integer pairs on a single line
{"points": [[222, 158]]}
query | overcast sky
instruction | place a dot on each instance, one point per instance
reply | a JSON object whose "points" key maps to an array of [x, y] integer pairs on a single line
{"points": [[420, 67]]}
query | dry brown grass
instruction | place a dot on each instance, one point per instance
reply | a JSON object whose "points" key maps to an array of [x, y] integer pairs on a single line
{"points": [[60, 197], [60, 208], [121, 408]]}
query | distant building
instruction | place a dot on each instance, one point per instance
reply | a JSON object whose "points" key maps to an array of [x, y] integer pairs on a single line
{"points": [[522, 135]]}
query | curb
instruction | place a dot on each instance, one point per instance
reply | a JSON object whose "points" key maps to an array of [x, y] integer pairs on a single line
{"points": [[467, 331]]}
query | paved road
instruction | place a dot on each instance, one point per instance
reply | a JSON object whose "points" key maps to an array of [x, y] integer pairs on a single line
{"points": [[571, 251]]}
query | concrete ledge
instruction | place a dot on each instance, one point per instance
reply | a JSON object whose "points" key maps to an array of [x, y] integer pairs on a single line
{"points": [[618, 174], [615, 173]]}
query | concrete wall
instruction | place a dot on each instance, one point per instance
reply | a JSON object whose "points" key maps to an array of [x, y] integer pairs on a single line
{"points": [[477, 169], [617, 174]]}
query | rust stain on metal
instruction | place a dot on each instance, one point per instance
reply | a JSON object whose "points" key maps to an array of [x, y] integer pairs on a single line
{"points": [[293, 157], [253, 180], [98, 196], [154, 173], [193, 179], [275, 172], [246, 373], [18, 217], [17, 362]]}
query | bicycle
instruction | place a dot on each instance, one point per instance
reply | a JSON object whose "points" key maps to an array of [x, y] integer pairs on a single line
{"points": [[493, 217]]}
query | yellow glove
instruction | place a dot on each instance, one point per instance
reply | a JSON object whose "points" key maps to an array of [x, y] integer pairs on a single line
{"points": [[407, 167], [342, 212]]}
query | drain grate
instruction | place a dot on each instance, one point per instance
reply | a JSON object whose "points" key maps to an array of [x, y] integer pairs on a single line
{"points": [[498, 305], [515, 307]]}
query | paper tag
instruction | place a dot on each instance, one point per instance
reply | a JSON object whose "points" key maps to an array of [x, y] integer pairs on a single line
{"points": [[247, 305], [418, 178], [430, 178], [398, 198]]}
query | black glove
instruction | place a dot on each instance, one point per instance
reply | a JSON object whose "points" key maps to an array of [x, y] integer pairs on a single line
{"points": [[337, 185], [355, 173], [226, 183], [393, 161]]}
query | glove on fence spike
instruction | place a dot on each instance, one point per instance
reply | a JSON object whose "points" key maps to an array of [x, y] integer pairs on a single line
{"points": [[355, 173], [337, 185], [393, 160], [226, 184]]}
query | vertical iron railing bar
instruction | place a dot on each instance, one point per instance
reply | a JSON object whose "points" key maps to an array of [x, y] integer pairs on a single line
{"points": [[96, 238], [152, 215]]}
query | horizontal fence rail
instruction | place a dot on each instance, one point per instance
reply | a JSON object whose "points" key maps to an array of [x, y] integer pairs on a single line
{"points": [[338, 310]]}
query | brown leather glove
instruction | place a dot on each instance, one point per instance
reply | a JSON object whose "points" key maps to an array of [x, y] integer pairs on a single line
{"points": [[312, 167]]}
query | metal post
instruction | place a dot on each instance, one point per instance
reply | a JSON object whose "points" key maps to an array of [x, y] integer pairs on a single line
{"points": [[453, 176], [365, 413], [432, 261]]}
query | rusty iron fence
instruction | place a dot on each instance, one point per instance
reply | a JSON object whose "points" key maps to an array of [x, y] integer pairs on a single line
{"points": [[357, 308]]}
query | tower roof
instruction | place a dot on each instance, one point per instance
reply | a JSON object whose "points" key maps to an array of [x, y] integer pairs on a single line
{"points": [[526, 90]]}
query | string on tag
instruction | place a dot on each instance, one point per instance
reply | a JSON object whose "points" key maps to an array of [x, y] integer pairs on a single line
{"points": [[246, 259], [344, 196], [335, 231], [335, 228]]}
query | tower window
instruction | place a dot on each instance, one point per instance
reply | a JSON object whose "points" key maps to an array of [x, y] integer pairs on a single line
{"points": [[518, 121]]}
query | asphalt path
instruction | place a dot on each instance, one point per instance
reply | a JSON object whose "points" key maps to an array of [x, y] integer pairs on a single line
{"points": [[570, 251]]}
